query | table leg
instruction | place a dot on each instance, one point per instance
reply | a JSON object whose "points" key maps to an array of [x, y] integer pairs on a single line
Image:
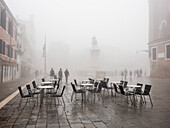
{"points": [[41, 97]]}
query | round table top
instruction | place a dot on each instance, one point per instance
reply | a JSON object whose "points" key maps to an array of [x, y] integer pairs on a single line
{"points": [[133, 86], [46, 83], [86, 84], [47, 87]]}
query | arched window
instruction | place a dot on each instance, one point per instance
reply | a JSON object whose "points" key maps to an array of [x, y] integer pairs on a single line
{"points": [[163, 28]]}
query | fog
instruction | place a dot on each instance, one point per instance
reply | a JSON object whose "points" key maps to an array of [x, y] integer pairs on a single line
{"points": [[120, 27]]}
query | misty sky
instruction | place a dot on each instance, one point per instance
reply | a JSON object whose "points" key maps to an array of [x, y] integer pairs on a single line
{"points": [[120, 26]]}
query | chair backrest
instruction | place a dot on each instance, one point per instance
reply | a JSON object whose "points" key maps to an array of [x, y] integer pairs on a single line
{"points": [[55, 83], [100, 87], [125, 84], [29, 89], [96, 84], [139, 84], [20, 91], [58, 81], [121, 82], [115, 87], [63, 90], [43, 80], [92, 81], [75, 81], [107, 80], [121, 90], [147, 89], [34, 84], [138, 90], [104, 84], [74, 88]]}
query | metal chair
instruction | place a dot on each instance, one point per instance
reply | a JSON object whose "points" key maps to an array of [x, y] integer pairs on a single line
{"points": [[116, 89], [75, 91], [22, 95], [32, 93], [97, 91], [147, 93], [60, 95], [43, 80], [126, 94]]}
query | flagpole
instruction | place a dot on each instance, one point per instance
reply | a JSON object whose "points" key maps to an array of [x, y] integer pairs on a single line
{"points": [[45, 59]]}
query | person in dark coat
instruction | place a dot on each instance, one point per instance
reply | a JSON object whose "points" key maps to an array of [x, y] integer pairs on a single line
{"points": [[60, 75], [52, 73], [66, 75]]}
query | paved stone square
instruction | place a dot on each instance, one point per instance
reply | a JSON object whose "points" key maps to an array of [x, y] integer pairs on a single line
{"points": [[112, 113]]}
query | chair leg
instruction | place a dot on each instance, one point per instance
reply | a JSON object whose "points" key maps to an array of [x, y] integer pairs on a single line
{"points": [[94, 97], [72, 96], [101, 97], [144, 99], [150, 100], [82, 96], [112, 92], [63, 101]]}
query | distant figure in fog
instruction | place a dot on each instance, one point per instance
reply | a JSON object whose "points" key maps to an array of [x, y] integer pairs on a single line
{"points": [[60, 74], [36, 73], [122, 74], [125, 72], [141, 72], [66, 73], [130, 74], [52, 73]]}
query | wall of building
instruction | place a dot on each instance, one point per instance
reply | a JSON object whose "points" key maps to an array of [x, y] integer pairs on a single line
{"points": [[8, 36], [159, 37]]}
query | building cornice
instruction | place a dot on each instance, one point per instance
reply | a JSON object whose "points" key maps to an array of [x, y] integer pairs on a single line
{"points": [[159, 41], [6, 7]]}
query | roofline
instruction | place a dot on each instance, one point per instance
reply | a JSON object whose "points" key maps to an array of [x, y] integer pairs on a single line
{"points": [[6, 7]]}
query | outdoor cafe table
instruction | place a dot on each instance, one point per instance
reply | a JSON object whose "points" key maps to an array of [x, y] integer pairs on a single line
{"points": [[42, 92], [53, 80], [85, 85], [116, 82], [46, 83], [133, 87], [85, 81]]}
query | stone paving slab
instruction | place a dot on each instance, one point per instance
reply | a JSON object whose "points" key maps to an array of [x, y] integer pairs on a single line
{"points": [[112, 113]]}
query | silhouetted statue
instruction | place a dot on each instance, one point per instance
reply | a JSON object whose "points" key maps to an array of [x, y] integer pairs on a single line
{"points": [[94, 42]]}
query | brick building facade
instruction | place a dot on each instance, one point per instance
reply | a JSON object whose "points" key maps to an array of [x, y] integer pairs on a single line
{"points": [[8, 44], [159, 38]]}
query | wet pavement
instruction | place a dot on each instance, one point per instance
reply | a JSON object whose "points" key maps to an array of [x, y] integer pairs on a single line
{"points": [[9, 87], [112, 113]]}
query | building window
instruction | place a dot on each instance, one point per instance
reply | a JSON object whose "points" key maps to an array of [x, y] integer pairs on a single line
{"points": [[168, 51], [154, 55], [9, 50], [0, 14], [15, 33], [10, 27], [2, 47], [15, 54], [3, 19]]}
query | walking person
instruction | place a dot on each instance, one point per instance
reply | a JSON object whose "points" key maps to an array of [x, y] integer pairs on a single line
{"points": [[125, 72], [60, 75], [66, 75], [130, 74], [52, 73]]}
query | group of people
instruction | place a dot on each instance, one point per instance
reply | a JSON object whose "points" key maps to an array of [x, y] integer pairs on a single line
{"points": [[137, 73], [60, 74]]}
